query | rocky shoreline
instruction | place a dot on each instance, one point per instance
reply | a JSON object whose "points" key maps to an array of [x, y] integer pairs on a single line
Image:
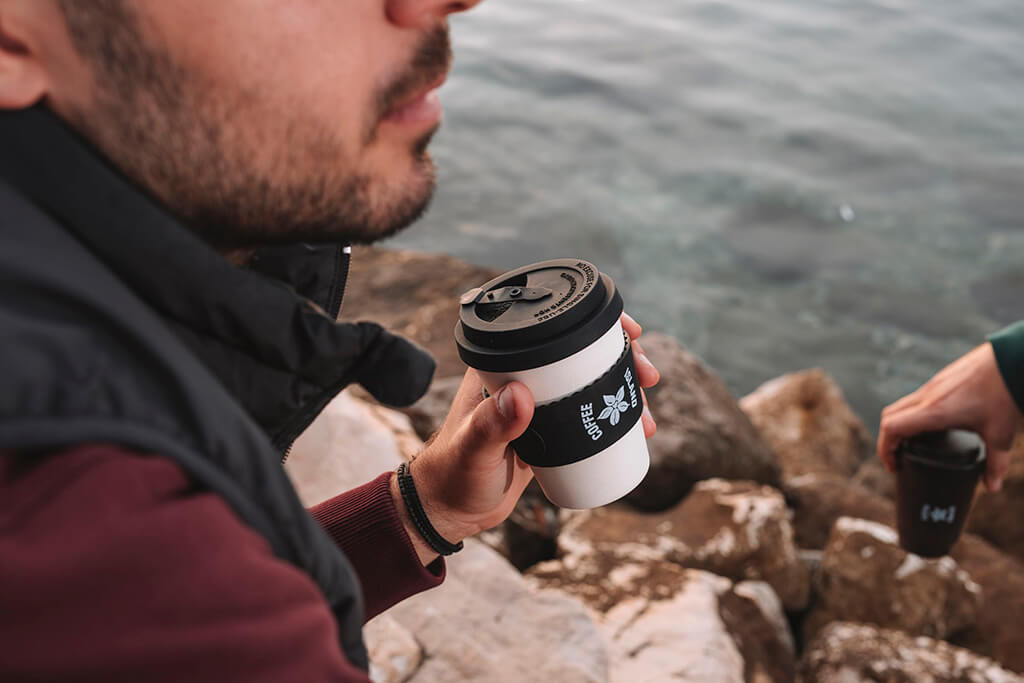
{"points": [[760, 547]]}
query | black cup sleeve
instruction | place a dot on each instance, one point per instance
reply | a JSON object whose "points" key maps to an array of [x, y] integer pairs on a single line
{"points": [[586, 422]]}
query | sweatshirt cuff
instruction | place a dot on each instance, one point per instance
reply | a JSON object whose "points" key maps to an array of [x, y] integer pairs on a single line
{"points": [[1008, 345], [365, 524]]}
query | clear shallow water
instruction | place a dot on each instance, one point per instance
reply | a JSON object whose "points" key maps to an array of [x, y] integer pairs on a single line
{"points": [[778, 185]]}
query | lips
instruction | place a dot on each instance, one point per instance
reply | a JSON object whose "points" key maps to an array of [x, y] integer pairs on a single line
{"points": [[417, 102], [420, 107]]}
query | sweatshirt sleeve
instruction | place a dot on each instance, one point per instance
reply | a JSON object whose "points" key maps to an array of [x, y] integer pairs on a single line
{"points": [[1009, 348], [366, 526]]}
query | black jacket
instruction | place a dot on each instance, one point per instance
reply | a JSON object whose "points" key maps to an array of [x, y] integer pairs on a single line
{"points": [[118, 325]]}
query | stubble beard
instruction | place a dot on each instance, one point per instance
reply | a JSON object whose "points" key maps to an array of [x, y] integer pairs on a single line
{"points": [[192, 144]]}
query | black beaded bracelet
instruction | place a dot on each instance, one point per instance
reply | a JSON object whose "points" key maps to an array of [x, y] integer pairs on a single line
{"points": [[419, 517]]}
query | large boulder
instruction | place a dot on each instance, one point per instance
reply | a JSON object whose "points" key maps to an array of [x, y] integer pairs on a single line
{"points": [[866, 577], [709, 630], [808, 423], [702, 433], [485, 624], [413, 294], [858, 653], [740, 530]]}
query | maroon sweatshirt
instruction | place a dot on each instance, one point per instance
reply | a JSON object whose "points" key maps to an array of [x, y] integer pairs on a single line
{"points": [[115, 566]]}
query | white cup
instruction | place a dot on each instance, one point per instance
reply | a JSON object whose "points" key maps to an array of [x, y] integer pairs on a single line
{"points": [[612, 467]]}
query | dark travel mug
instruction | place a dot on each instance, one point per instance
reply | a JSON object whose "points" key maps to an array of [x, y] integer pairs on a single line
{"points": [[937, 473]]}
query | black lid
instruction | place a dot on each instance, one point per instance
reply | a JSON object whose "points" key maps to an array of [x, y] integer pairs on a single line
{"points": [[955, 448], [535, 315]]}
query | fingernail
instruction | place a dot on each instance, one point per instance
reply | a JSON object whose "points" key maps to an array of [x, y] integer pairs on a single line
{"points": [[644, 360], [629, 318], [647, 414], [507, 404]]}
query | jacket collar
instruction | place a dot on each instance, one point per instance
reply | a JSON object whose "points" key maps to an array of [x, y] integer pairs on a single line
{"points": [[267, 332]]}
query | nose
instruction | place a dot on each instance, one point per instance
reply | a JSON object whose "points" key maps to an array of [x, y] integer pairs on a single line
{"points": [[425, 13]]}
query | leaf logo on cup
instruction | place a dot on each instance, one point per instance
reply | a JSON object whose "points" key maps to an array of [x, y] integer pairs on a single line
{"points": [[615, 406]]}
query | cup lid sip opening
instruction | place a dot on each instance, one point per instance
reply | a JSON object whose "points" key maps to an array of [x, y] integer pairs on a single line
{"points": [[535, 315]]}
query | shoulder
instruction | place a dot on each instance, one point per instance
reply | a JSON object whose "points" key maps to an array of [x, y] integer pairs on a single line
{"points": [[125, 567]]}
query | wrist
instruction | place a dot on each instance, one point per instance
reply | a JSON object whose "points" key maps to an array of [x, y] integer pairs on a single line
{"points": [[423, 527]]}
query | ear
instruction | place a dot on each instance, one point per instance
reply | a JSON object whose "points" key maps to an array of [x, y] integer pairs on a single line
{"points": [[23, 77]]}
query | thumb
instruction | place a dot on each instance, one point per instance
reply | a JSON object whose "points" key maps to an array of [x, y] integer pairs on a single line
{"points": [[499, 419]]}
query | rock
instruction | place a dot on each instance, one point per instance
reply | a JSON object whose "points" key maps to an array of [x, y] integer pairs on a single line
{"points": [[350, 443], [394, 653], [990, 512], [872, 476], [851, 653], [530, 534], [710, 630], [805, 419], [428, 414], [818, 501], [702, 433], [1001, 578], [485, 624], [413, 294], [740, 530], [866, 577]]}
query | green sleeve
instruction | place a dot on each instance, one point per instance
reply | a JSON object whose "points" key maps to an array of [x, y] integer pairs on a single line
{"points": [[1009, 348]]}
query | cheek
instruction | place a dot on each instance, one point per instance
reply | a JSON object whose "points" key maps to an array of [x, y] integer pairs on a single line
{"points": [[312, 60]]}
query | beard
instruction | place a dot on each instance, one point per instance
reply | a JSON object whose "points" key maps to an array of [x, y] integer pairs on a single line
{"points": [[199, 149]]}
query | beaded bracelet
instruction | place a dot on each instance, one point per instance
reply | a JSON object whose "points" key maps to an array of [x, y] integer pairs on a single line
{"points": [[419, 517]]}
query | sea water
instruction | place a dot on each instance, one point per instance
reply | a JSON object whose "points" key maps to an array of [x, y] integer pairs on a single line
{"points": [[779, 185]]}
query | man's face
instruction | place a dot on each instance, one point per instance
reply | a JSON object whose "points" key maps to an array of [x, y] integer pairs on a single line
{"points": [[265, 121]]}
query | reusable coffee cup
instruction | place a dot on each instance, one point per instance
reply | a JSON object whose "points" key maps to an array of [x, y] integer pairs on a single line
{"points": [[554, 326], [937, 473]]}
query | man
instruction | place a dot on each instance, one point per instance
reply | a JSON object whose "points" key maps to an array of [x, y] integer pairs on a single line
{"points": [[178, 181], [982, 391]]}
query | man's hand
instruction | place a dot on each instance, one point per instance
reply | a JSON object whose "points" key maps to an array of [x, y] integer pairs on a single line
{"points": [[968, 394], [468, 477]]}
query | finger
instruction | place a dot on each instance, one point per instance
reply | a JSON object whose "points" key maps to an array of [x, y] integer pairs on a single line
{"points": [[650, 425], [910, 422], [645, 370], [497, 420], [996, 469], [631, 326]]}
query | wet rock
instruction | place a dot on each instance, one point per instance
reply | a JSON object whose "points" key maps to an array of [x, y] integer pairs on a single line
{"points": [[740, 530], [991, 511], [709, 630], [809, 425], [851, 653], [866, 577], [394, 653], [485, 624], [702, 433]]}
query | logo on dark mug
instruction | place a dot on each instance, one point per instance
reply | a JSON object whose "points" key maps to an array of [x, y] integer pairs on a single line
{"points": [[930, 513]]}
